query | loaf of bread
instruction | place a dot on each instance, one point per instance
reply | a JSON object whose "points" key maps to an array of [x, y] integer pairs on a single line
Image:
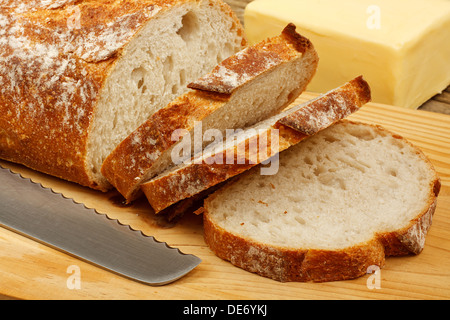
{"points": [[77, 77], [342, 201], [252, 85], [254, 145]]}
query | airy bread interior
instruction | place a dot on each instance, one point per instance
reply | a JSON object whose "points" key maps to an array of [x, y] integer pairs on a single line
{"points": [[255, 144], [261, 99], [174, 48], [336, 189], [250, 104]]}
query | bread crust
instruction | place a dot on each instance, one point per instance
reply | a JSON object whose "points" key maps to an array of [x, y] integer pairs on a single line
{"points": [[187, 181], [308, 264], [241, 68], [289, 264], [332, 106], [52, 72], [197, 177], [127, 166]]}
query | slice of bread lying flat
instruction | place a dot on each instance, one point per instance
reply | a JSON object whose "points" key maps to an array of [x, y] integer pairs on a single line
{"points": [[342, 201], [254, 145], [250, 86]]}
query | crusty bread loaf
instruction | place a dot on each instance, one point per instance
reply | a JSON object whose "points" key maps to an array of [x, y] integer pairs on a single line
{"points": [[254, 145], [77, 77], [341, 201], [250, 86]]}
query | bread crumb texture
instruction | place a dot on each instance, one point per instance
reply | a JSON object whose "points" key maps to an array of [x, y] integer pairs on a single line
{"points": [[346, 187]]}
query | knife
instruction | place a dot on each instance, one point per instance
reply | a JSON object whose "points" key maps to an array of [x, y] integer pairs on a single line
{"points": [[38, 213]]}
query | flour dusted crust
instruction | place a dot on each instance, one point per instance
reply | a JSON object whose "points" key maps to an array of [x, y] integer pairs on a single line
{"points": [[329, 108], [295, 263], [130, 163], [188, 180], [54, 59], [237, 70], [167, 190], [286, 264]]}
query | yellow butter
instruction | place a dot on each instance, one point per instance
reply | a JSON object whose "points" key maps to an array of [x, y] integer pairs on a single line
{"points": [[401, 47]]}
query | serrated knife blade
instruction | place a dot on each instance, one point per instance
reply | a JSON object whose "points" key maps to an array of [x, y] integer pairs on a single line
{"points": [[37, 212]]}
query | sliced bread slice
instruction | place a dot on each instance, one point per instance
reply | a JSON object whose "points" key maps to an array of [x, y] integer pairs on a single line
{"points": [[341, 201], [250, 86], [254, 145]]}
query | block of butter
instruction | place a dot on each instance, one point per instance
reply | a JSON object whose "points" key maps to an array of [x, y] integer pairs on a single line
{"points": [[401, 47]]}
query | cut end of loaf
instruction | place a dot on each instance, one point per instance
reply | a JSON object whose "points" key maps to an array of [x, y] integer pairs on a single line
{"points": [[169, 51], [90, 73], [134, 163]]}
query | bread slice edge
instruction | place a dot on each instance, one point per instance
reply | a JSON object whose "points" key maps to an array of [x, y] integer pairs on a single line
{"points": [[186, 181], [291, 263]]}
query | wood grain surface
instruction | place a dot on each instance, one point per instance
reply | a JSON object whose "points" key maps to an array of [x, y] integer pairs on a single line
{"points": [[30, 270]]}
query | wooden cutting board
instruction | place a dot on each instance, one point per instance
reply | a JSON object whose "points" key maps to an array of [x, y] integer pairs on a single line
{"points": [[30, 270]]}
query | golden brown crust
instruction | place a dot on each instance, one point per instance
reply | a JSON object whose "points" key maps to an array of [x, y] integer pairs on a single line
{"points": [[286, 264], [47, 102], [189, 180], [126, 167], [54, 60], [332, 106], [411, 239], [197, 177], [300, 43], [239, 69], [305, 264]]}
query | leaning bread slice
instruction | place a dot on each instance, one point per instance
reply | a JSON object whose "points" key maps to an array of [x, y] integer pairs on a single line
{"points": [[341, 201], [254, 145], [252, 85]]}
